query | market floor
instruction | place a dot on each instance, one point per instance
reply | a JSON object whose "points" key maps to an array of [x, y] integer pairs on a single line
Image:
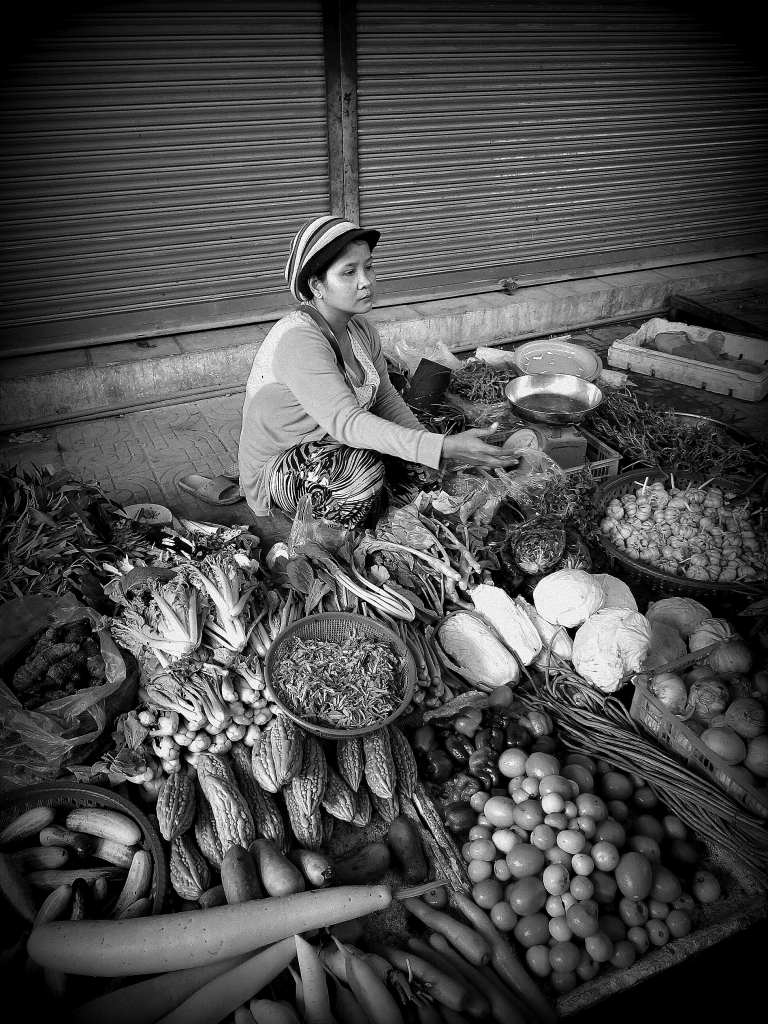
{"points": [[138, 457]]}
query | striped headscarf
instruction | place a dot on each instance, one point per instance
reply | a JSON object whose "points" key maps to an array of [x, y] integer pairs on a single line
{"points": [[316, 244]]}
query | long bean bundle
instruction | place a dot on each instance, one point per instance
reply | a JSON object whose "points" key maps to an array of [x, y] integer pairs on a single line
{"points": [[588, 721]]}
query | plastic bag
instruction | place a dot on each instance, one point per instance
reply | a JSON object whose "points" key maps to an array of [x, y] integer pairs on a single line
{"points": [[36, 745], [410, 353], [308, 530], [483, 414]]}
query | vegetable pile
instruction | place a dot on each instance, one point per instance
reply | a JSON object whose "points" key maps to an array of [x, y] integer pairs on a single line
{"points": [[699, 532], [63, 659], [513, 835], [648, 436]]}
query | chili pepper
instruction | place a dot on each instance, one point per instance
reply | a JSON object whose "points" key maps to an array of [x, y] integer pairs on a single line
{"points": [[492, 737], [439, 767], [483, 764], [466, 726], [461, 788], [459, 817], [458, 747], [517, 736], [424, 739]]}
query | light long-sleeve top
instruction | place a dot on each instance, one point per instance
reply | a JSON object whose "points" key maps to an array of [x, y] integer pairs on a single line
{"points": [[296, 392]]}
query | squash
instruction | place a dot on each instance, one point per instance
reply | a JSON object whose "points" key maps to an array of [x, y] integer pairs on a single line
{"points": [[191, 938]]}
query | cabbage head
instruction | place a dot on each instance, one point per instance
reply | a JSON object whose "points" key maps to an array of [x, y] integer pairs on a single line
{"points": [[472, 649], [609, 645], [568, 597]]}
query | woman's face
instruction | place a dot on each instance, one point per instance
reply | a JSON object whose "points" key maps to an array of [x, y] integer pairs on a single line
{"points": [[349, 283]]}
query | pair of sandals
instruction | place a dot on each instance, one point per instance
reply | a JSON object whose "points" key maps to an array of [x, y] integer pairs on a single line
{"points": [[223, 489]]}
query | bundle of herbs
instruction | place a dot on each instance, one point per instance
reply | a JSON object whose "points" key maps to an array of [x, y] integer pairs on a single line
{"points": [[57, 532], [339, 685], [648, 436], [477, 382]]}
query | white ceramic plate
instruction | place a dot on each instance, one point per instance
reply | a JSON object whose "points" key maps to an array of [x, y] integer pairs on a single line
{"points": [[149, 514]]}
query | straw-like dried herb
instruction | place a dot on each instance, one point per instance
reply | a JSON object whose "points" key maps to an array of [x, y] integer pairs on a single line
{"points": [[340, 685]]}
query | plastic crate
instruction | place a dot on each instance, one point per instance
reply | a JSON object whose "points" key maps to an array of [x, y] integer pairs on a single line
{"points": [[659, 722], [600, 460]]}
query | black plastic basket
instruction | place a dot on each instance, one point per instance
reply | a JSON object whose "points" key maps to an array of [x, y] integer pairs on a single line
{"points": [[655, 579], [71, 795]]}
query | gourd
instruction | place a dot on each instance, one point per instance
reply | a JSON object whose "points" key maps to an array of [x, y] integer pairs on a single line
{"points": [[379, 769], [405, 761], [350, 761], [267, 818], [190, 875], [206, 835], [230, 812], [175, 808], [307, 828], [308, 784], [338, 798]]}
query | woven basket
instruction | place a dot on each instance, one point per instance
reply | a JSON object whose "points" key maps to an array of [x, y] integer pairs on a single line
{"points": [[335, 626], [69, 796], [655, 579]]}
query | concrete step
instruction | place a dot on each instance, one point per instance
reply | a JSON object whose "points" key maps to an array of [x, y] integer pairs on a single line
{"points": [[107, 379]]}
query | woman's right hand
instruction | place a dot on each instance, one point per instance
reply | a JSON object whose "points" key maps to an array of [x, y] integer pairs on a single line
{"points": [[470, 448]]}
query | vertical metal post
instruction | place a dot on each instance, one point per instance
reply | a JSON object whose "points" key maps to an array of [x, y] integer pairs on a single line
{"points": [[340, 46]]}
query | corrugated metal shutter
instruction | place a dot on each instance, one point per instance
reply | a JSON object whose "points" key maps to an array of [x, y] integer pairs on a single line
{"points": [[157, 159], [509, 138]]}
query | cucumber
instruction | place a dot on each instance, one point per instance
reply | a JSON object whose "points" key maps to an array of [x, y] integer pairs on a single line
{"points": [[405, 843], [239, 876]]}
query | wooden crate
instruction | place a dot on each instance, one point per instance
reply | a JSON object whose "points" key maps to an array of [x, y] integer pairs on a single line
{"points": [[748, 381]]}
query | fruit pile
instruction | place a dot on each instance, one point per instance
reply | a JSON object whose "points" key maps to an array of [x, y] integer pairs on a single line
{"points": [[578, 862]]}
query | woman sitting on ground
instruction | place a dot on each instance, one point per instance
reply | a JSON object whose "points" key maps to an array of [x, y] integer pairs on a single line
{"points": [[319, 407]]}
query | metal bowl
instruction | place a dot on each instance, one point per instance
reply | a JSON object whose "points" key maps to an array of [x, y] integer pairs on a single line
{"points": [[555, 398]]}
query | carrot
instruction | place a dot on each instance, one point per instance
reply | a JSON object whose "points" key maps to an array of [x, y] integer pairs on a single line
{"points": [[168, 942], [267, 1011], [479, 1005], [346, 1008], [472, 945], [505, 961], [450, 1016], [299, 998], [427, 1014], [335, 962], [243, 1015], [145, 1001], [317, 1003], [504, 1009], [220, 997], [445, 989], [16, 891], [375, 999]]}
